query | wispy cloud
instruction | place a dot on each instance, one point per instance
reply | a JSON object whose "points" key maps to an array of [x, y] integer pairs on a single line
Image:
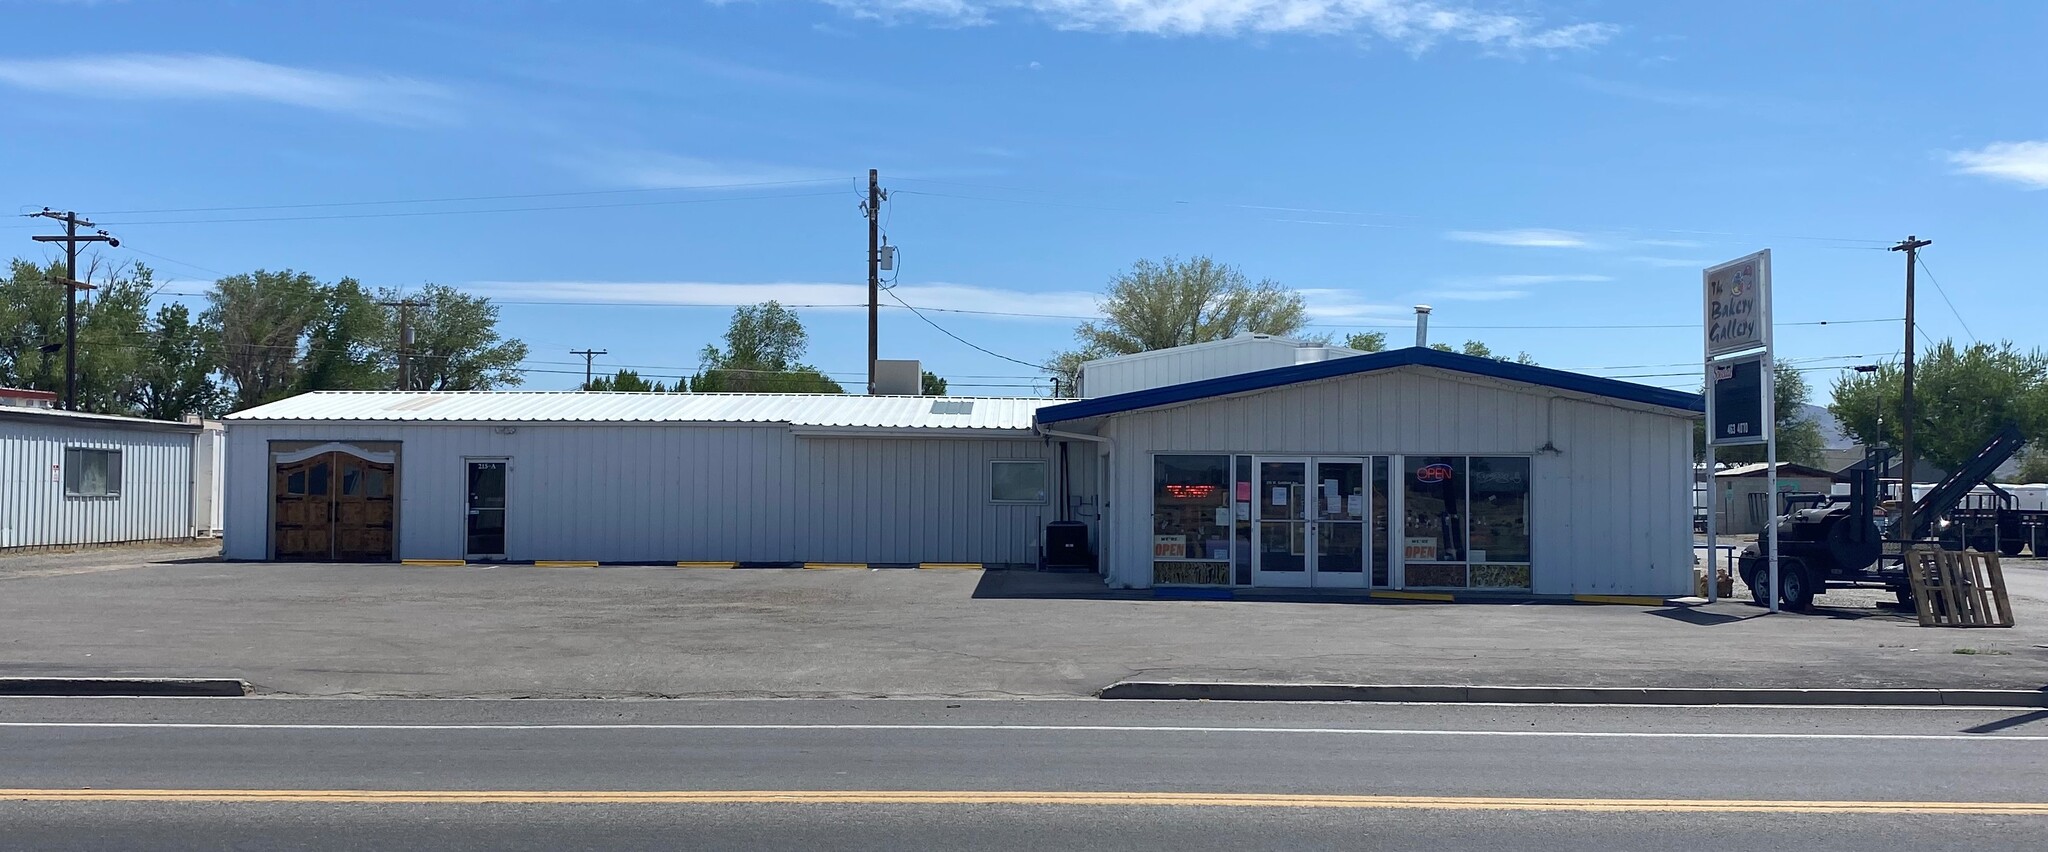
{"points": [[1414, 24], [2023, 163], [1479, 295], [655, 170], [1670, 262], [1331, 305], [1526, 280], [1524, 237], [993, 301], [215, 77]]}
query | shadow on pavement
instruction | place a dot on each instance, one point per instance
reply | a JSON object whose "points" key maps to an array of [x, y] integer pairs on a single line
{"points": [[2014, 722], [1700, 616]]}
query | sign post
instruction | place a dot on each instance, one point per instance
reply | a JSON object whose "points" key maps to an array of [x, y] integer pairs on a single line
{"points": [[1741, 385]]}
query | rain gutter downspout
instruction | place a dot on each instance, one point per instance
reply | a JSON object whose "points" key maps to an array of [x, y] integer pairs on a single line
{"points": [[1103, 446]]}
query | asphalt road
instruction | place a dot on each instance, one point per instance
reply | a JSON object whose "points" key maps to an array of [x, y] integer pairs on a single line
{"points": [[308, 774]]}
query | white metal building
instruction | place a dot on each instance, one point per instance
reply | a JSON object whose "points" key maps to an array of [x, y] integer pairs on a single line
{"points": [[624, 477], [1407, 469], [1257, 463], [70, 478]]}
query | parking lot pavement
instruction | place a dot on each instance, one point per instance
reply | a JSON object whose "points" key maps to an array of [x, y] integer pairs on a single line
{"points": [[390, 630]]}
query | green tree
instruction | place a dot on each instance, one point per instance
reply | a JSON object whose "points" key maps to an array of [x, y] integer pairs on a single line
{"points": [[1962, 395], [931, 385], [343, 343], [763, 346], [1799, 438], [626, 381], [456, 344], [111, 331], [1368, 341], [1480, 350], [2034, 465], [1173, 302], [176, 374], [262, 319]]}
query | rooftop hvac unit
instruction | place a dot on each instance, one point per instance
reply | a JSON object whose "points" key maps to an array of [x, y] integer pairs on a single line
{"points": [[898, 378]]}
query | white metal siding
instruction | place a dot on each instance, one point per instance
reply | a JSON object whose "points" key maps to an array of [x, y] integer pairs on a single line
{"points": [[156, 486], [916, 500], [1186, 364], [659, 493], [1609, 510]]}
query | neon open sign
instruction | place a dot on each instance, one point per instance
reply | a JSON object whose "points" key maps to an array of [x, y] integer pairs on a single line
{"points": [[1438, 472]]}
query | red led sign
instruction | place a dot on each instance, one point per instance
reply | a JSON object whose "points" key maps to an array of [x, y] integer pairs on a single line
{"points": [[1191, 491], [1433, 473]]}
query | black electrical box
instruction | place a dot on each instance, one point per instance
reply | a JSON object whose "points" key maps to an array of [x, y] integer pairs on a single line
{"points": [[1066, 547]]}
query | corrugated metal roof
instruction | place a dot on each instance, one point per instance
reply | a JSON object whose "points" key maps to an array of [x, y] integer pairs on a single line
{"points": [[82, 418], [807, 410]]}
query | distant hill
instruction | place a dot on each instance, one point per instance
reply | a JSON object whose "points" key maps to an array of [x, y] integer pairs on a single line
{"points": [[1832, 436]]}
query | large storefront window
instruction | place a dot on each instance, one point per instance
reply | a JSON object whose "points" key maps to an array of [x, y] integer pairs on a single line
{"points": [[1192, 520], [1466, 522]]}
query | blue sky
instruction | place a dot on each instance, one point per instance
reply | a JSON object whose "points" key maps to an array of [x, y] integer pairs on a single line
{"points": [[1529, 168]]}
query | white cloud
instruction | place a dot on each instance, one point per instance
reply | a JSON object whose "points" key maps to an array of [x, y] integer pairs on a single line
{"points": [[214, 77], [2023, 163], [1480, 295], [1415, 24], [655, 170], [1332, 304], [1670, 262], [1524, 237], [993, 301], [1521, 280]]}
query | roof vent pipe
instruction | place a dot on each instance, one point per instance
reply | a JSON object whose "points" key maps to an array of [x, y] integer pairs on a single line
{"points": [[1422, 325]]}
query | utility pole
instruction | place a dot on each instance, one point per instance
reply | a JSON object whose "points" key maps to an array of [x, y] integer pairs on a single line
{"points": [[72, 285], [404, 307], [588, 356], [873, 206], [1911, 245]]}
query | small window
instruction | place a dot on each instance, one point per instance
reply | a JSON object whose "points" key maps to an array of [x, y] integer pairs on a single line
{"points": [[1016, 481], [91, 472]]}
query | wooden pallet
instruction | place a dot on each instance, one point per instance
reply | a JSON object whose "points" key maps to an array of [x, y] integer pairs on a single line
{"points": [[1958, 589]]}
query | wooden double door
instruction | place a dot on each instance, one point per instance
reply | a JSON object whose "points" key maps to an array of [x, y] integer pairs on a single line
{"points": [[334, 507]]}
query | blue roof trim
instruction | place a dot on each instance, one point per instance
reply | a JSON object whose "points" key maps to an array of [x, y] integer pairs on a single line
{"points": [[1414, 356]]}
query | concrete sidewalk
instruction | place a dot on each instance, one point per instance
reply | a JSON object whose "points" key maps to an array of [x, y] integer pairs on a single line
{"points": [[474, 631]]}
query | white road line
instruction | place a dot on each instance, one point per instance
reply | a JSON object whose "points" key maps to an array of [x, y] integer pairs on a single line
{"points": [[1119, 729]]}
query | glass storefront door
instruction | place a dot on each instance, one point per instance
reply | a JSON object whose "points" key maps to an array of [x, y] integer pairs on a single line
{"points": [[1309, 527], [1343, 544], [1280, 553]]}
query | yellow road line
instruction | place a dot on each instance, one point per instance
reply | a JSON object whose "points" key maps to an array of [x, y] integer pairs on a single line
{"points": [[956, 566], [434, 563], [707, 565], [1410, 596], [564, 563], [965, 797]]}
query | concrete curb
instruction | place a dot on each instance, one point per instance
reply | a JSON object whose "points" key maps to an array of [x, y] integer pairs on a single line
{"points": [[1373, 693], [145, 687]]}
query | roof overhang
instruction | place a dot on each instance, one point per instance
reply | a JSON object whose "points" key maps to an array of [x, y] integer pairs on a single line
{"points": [[1451, 364]]}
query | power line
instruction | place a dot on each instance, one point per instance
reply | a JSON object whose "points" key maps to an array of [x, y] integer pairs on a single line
{"points": [[1944, 297], [970, 344]]}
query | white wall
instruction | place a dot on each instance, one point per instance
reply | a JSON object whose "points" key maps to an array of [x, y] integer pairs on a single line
{"points": [[660, 493], [1243, 354], [156, 485], [1609, 510]]}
